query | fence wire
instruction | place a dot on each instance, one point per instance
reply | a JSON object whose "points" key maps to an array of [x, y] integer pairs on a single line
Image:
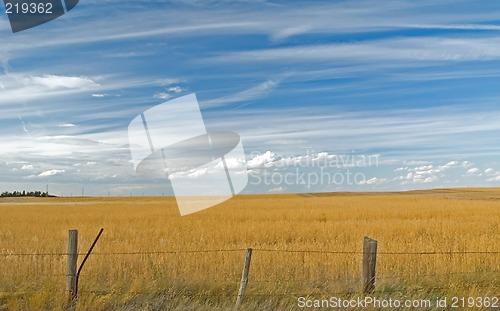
{"points": [[257, 250], [381, 278]]}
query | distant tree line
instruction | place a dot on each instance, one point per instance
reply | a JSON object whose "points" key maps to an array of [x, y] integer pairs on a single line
{"points": [[25, 193]]}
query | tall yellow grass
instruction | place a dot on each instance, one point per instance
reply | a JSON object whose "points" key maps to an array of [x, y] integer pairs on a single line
{"points": [[464, 220]]}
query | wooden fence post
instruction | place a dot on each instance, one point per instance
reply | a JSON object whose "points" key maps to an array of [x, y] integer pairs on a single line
{"points": [[369, 263], [72, 261], [244, 278]]}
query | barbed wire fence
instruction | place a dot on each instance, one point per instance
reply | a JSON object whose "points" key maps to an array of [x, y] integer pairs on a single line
{"points": [[50, 265]]}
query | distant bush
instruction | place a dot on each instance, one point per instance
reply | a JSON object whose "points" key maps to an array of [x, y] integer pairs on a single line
{"points": [[24, 193]]}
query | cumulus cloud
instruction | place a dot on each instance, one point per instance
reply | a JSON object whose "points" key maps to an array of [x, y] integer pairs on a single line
{"points": [[162, 95], [456, 171], [51, 173], [373, 181], [489, 171], [168, 92], [428, 173], [493, 175], [312, 159], [473, 171], [263, 160], [175, 89], [467, 164], [450, 164]]}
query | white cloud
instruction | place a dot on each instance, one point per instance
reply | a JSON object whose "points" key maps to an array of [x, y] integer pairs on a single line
{"points": [[467, 164], [494, 179], [67, 125], [252, 93], [99, 95], [168, 93], [473, 171], [24, 124], [232, 163], [51, 173], [27, 167], [492, 174], [55, 81], [374, 181], [162, 95], [445, 49], [430, 173], [289, 32], [313, 160], [175, 89], [198, 173], [489, 171], [456, 26], [430, 179], [450, 165], [263, 160]]}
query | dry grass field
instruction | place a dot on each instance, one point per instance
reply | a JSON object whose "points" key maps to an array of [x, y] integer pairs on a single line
{"points": [[150, 258]]}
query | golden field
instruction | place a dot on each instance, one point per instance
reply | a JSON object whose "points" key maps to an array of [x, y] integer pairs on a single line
{"points": [[150, 258]]}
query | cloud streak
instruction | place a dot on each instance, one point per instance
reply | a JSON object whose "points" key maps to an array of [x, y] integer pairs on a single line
{"points": [[253, 93]]}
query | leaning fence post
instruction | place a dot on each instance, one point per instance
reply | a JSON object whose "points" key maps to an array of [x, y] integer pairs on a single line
{"points": [[75, 292], [369, 263], [244, 278], [71, 265]]}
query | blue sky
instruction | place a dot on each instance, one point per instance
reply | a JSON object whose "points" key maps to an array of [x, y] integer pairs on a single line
{"points": [[310, 86]]}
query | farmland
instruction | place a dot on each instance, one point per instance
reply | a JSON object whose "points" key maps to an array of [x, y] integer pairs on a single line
{"points": [[439, 243]]}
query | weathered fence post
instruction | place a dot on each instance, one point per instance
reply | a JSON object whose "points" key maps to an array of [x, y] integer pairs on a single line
{"points": [[71, 266], [244, 278], [369, 263]]}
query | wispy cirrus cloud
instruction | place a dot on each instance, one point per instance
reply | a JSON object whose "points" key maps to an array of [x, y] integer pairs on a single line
{"points": [[57, 81], [447, 49], [67, 125], [252, 93], [426, 133]]}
